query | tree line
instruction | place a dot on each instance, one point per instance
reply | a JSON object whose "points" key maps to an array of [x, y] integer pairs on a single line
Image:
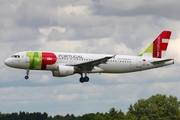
{"points": [[157, 107]]}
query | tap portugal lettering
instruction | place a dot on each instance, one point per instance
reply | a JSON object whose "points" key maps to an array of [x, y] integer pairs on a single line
{"points": [[70, 56], [66, 64]]}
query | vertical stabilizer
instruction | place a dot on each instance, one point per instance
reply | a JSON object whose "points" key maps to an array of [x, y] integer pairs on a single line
{"points": [[159, 46]]}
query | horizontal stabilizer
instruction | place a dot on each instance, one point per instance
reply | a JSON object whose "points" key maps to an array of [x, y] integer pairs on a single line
{"points": [[161, 61]]}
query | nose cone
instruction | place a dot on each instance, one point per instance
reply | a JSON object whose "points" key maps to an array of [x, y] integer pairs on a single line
{"points": [[8, 62]]}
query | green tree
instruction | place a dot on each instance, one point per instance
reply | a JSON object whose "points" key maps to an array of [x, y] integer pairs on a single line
{"points": [[156, 107], [58, 117], [121, 115], [99, 116], [113, 114], [130, 116]]}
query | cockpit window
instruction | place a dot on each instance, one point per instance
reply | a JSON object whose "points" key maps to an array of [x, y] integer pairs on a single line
{"points": [[15, 56]]}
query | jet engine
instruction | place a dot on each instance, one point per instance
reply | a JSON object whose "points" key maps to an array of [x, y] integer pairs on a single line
{"points": [[63, 71]]}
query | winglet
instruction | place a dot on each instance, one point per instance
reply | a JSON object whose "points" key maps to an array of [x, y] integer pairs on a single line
{"points": [[114, 56], [159, 46]]}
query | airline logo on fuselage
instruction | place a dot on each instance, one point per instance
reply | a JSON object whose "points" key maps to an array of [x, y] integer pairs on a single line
{"points": [[41, 59], [49, 58]]}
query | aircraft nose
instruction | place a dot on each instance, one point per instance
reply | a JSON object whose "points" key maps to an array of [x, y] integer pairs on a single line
{"points": [[7, 62]]}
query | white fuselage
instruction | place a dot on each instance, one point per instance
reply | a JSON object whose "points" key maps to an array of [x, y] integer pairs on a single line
{"points": [[118, 64]]}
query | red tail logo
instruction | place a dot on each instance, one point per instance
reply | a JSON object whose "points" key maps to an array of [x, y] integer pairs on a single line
{"points": [[160, 44]]}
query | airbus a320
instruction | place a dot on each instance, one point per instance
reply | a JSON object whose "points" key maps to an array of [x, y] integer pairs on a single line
{"points": [[63, 64]]}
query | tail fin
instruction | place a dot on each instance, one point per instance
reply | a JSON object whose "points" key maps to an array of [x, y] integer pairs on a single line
{"points": [[159, 46]]}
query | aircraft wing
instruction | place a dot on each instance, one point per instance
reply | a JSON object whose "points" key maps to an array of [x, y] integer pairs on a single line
{"points": [[91, 64]]}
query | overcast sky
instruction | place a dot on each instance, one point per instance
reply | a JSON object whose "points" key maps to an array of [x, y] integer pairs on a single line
{"points": [[86, 26]]}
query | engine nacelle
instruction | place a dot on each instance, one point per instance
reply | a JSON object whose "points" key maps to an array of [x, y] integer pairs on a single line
{"points": [[63, 71]]}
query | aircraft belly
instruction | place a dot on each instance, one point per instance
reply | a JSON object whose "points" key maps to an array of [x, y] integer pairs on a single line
{"points": [[51, 67], [24, 66], [116, 68]]}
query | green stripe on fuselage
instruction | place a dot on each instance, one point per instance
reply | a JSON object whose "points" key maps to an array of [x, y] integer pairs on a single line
{"points": [[35, 59]]}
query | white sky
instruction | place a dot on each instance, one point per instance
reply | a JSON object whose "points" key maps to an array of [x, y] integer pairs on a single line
{"points": [[88, 26]]}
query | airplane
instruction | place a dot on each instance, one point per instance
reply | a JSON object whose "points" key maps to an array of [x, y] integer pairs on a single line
{"points": [[63, 64]]}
